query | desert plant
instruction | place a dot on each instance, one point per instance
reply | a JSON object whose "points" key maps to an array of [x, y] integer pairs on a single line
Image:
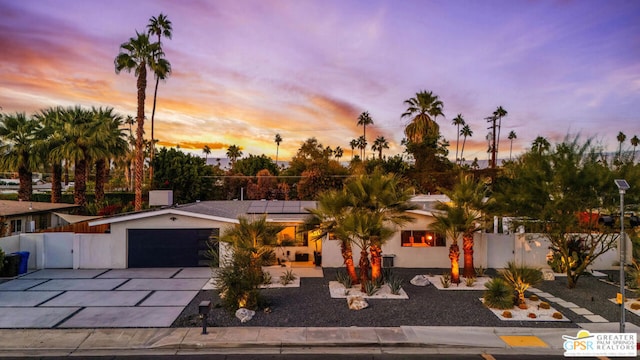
{"points": [[498, 294], [534, 297], [266, 278], [387, 273], [445, 280], [521, 278], [507, 314], [287, 277], [343, 278], [544, 305], [370, 288], [480, 271], [633, 275], [395, 284], [470, 281], [557, 315], [378, 282]]}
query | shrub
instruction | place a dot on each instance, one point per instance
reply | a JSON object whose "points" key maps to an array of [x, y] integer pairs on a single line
{"points": [[521, 278], [343, 278], [556, 315], [287, 277], [507, 314], [445, 280], [395, 284], [266, 278], [544, 305], [370, 288], [498, 294], [633, 280], [480, 271], [470, 281]]}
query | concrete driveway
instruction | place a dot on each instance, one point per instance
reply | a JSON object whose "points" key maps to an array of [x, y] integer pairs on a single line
{"points": [[65, 298]]}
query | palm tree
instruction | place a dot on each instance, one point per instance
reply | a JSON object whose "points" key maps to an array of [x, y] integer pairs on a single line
{"points": [[338, 152], [457, 121], [206, 150], [634, 142], [380, 144], [540, 145], [160, 26], [362, 144], [621, 138], [278, 140], [18, 133], [499, 113], [233, 153], [136, 55], [465, 132], [512, 136], [364, 119], [353, 143], [424, 108], [110, 143], [52, 136]]}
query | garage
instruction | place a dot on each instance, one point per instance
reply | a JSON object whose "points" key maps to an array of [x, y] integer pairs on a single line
{"points": [[168, 247]]}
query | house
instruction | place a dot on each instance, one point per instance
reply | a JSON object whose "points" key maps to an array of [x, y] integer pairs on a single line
{"points": [[31, 216]]}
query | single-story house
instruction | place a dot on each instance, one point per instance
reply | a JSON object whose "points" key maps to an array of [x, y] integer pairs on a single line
{"points": [[31, 216]]}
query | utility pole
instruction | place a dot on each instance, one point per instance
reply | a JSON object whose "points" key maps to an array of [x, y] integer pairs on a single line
{"points": [[492, 146]]}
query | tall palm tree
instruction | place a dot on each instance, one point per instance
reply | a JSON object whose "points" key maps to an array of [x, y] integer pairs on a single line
{"points": [[233, 153], [338, 152], [512, 136], [18, 134], [423, 108], [161, 27], [621, 138], [457, 121], [354, 144], [634, 142], [465, 132], [110, 141], [540, 145], [364, 119], [362, 144], [380, 144], [499, 113], [278, 140], [206, 150], [52, 136], [136, 55]]}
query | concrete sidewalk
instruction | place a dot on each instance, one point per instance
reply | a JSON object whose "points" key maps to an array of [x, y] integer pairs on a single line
{"points": [[253, 340]]}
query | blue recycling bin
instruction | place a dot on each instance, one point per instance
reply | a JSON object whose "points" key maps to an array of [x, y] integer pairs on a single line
{"points": [[24, 262]]}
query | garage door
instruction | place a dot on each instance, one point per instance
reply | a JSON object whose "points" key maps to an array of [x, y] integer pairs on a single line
{"points": [[168, 247]]}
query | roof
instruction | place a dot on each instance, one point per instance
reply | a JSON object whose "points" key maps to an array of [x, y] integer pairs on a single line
{"points": [[15, 208]]}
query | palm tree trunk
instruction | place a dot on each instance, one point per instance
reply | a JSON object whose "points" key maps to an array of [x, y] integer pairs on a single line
{"points": [[347, 255], [100, 180], [454, 256], [467, 246], [139, 174], [56, 183], [376, 262], [464, 140], [26, 187], [80, 183], [364, 268]]}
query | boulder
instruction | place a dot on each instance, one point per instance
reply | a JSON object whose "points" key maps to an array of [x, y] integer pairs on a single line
{"points": [[548, 275], [245, 314], [420, 280], [356, 302]]}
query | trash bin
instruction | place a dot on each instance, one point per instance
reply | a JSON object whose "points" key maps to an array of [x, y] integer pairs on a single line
{"points": [[387, 260], [11, 265], [24, 262]]}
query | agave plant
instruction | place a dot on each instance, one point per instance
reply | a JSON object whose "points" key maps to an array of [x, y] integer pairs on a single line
{"points": [[521, 278]]}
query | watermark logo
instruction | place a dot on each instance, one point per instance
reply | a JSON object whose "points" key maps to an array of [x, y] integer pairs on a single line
{"points": [[600, 344]]}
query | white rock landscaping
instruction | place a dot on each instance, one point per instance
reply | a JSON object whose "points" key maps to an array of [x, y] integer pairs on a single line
{"points": [[338, 291]]}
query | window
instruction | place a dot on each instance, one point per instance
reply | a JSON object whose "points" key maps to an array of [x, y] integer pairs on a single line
{"points": [[421, 238], [291, 237], [16, 226]]}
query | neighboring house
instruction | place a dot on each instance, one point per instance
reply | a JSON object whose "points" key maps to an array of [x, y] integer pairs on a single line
{"points": [[30, 216]]}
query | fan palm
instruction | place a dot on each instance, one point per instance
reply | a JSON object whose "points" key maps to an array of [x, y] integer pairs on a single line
{"points": [[379, 144], [512, 136], [424, 108], [364, 119], [457, 121], [499, 113], [136, 55], [52, 136], [18, 133], [634, 142], [465, 132], [278, 140], [233, 153], [353, 143], [111, 141]]}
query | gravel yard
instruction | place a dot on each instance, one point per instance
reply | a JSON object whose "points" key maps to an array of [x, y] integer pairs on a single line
{"points": [[311, 305]]}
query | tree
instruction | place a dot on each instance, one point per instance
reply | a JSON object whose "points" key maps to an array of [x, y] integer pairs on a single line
{"points": [[512, 136], [457, 121], [338, 152], [364, 119], [362, 144], [465, 132], [233, 153], [109, 143], [380, 144], [540, 145], [621, 138], [354, 144], [159, 26], [499, 113], [52, 121], [18, 133], [252, 165], [278, 140], [206, 150], [136, 55], [634, 142], [187, 176], [552, 188], [424, 108]]}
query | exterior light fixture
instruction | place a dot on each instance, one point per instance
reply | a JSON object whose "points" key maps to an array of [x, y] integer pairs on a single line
{"points": [[203, 310], [623, 186]]}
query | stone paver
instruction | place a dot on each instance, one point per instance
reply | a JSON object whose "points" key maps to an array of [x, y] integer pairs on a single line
{"points": [[79, 284], [64, 274], [581, 311], [20, 284], [596, 318], [98, 298], [123, 317], [169, 298], [33, 317], [566, 304], [25, 298], [194, 273], [164, 284], [155, 273]]}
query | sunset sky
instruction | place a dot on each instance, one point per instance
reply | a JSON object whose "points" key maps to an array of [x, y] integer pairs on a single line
{"points": [[246, 70]]}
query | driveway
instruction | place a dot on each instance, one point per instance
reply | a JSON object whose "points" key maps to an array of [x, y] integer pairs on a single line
{"points": [[65, 298]]}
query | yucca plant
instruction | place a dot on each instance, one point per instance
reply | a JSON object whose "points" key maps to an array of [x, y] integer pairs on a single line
{"points": [[287, 277], [521, 278], [343, 278], [470, 281], [445, 280], [370, 288], [266, 278], [395, 284], [498, 294]]}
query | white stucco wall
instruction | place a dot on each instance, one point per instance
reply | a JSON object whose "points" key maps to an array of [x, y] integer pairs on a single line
{"points": [[93, 251]]}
